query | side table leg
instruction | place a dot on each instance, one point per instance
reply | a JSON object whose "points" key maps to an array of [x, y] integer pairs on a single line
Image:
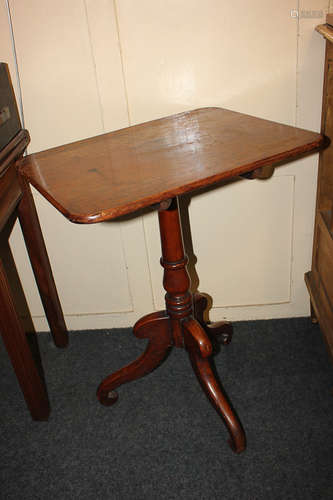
{"points": [[313, 314], [15, 340], [41, 266], [199, 348], [219, 331], [156, 328]]}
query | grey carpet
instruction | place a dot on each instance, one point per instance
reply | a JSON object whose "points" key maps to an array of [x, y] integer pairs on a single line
{"points": [[163, 440]]}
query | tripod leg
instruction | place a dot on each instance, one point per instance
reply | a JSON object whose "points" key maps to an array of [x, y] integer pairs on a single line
{"points": [[219, 331], [155, 327], [199, 348]]}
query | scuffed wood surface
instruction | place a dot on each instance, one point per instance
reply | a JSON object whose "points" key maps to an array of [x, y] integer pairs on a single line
{"points": [[120, 172]]}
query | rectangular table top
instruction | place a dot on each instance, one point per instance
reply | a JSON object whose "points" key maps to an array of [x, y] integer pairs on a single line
{"points": [[117, 173]]}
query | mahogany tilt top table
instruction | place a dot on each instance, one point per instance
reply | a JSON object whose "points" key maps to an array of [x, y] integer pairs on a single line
{"points": [[114, 174]]}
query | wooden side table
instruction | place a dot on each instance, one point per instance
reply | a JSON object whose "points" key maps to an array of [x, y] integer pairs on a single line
{"points": [[104, 177], [16, 202]]}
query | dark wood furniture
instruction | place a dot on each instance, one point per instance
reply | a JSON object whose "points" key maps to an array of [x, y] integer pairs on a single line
{"points": [[120, 172], [320, 279], [16, 201]]}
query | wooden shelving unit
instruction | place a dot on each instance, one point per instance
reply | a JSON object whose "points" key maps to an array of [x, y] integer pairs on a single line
{"points": [[320, 279]]}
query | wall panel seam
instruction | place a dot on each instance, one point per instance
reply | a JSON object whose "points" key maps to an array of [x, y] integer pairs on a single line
{"points": [[297, 64], [292, 241], [116, 14], [19, 97], [93, 59]]}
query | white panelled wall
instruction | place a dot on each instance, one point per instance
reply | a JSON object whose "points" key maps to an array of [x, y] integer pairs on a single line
{"points": [[91, 66]]}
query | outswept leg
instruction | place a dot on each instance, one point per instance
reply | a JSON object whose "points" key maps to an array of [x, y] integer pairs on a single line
{"points": [[41, 266], [219, 331], [156, 328], [199, 349]]}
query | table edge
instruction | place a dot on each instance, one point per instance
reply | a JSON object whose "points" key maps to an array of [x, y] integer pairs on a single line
{"points": [[110, 214]]}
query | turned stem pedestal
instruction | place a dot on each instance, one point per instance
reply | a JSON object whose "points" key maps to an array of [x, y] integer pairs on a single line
{"points": [[180, 325]]}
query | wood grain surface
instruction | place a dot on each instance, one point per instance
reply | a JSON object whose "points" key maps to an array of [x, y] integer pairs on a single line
{"points": [[326, 30], [120, 172], [320, 279]]}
